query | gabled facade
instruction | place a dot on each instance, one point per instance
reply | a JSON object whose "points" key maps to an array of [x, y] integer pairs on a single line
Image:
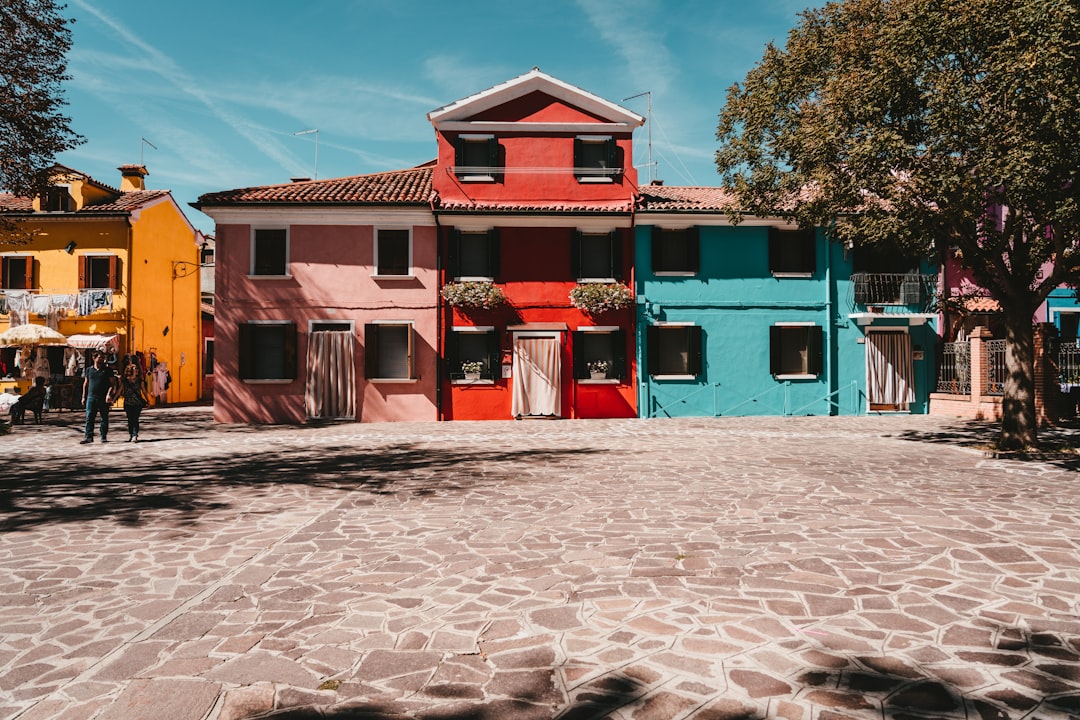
{"points": [[536, 188], [762, 318], [326, 300], [115, 268]]}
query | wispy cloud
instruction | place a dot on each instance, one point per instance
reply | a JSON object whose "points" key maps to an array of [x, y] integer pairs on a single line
{"points": [[633, 34], [164, 66]]}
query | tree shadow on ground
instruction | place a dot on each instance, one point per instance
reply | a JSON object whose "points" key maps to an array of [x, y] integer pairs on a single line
{"points": [[1059, 445], [124, 487]]}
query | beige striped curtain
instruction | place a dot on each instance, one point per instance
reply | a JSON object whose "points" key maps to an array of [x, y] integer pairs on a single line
{"points": [[890, 375], [331, 375], [537, 377]]}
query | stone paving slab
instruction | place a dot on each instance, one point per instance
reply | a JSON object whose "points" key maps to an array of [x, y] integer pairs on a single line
{"points": [[794, 568]]}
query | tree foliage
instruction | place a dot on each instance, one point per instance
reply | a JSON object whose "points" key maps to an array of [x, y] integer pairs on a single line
{"points": [[934, 126], [34, 42]]}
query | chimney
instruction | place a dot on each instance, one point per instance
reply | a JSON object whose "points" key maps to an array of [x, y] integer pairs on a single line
{"points": [[131, 177], [657, 182]]}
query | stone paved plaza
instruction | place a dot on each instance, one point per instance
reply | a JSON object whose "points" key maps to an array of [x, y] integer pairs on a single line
{"points": [[727, 568]]}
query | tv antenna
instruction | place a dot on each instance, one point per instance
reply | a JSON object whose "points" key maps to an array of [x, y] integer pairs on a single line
{"points": [[652, 166], [142, 149], [308, 132]]}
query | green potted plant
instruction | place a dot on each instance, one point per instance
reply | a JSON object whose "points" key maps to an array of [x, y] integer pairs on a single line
{"points": [[472, 369], [596, 298], [473, 295], [598, 369]]}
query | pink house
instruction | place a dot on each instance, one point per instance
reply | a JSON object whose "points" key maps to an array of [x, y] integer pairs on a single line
{"points": [[306, 272]]}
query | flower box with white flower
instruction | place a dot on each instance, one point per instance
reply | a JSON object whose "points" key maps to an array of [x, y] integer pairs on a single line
{"points": [[472, 369], [598, 369]]}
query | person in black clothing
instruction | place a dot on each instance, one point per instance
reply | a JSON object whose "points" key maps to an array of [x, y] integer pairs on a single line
{"points": [[99, 391], [134, 393]]}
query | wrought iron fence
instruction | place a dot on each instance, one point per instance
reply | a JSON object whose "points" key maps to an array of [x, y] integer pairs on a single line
{"points": [[1068, 362], [954, 375], [995, 368]]}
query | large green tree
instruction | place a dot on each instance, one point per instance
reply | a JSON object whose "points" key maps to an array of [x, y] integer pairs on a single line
{"points": [[912, 123], [34, 42]]}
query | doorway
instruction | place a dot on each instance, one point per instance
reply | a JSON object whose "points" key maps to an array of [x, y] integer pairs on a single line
{"points": [[330, 392], [537, 373], [890, 377]]}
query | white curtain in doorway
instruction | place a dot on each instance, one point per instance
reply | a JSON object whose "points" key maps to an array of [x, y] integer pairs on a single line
{"points": [[331, 375], [890, 376], [537, 372]]}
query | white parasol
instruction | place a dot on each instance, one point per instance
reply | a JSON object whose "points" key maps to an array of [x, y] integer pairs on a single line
{"points": [[30, 334]]}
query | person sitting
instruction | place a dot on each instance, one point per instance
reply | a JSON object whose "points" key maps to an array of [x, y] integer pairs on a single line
{"points": [[33, 401]]}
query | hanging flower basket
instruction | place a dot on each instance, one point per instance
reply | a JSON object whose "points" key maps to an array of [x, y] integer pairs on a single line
{"points": [[596, 298], [473, 295]]}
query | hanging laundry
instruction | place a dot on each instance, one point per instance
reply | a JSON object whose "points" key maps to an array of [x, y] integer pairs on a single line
{"points": [[91, 301], [18, 302]]}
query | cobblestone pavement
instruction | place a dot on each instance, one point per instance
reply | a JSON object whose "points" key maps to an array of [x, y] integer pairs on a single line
{"points": [[750, 568]]}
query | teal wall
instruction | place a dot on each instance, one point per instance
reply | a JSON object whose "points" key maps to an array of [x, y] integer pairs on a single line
{"points": [[735, 300]]}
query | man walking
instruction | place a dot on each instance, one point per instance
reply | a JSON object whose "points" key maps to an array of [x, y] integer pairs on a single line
{"points": [[99, 391]]}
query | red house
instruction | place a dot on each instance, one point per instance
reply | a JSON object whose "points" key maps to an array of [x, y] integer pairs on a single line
{"points": [[536, 186]]}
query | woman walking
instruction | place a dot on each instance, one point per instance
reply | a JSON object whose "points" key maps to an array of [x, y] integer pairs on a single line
{"points": [[133, 390]]}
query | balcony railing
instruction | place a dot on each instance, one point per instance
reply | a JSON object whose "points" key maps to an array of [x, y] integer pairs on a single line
{"points": [[900, 292]]}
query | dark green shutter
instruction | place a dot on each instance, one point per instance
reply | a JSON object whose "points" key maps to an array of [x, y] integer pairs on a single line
{"points": [[652, 349], [618, 340], [494, 355], [694, 363], [459, 151], [246, 351], [578, 339], [775, 335], [575, 255], [814, 353], [578, 162], [616, 255], [453, 354], [453, 253], [657, 248], [494, 256], [611, 155], [371, 350], [493, 156], [693, 249], [289, 344], [809, 250]]}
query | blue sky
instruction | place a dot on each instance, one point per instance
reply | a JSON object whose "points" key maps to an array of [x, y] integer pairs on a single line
{"points": [[220, 87]]}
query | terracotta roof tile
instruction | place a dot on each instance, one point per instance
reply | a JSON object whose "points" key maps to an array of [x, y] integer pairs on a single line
{"points": [[123, 203], [982, 305], [14, 203], [411, 187], [509, 208], [682, 197]]}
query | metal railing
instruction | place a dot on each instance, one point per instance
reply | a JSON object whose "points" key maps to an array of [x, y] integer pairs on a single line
{"points": [[910, 290], [954, 374], [1068, 362], [995, 374]]}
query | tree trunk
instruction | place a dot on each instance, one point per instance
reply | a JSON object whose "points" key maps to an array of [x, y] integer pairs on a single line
{"points": [[1019, 425]]}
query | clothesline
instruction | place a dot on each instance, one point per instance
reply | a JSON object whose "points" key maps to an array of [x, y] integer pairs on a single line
{"points": [[20, 304]]}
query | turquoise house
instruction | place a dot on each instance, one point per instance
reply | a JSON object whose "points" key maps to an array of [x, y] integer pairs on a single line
{"points": [[762, 318]]}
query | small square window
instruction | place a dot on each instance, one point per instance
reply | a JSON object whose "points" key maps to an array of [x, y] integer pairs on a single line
{"points": [[596, 256], [476, 158], [268, 351], [596, 158], [674, 350], [470, 348], [675, 251], [18, 272], [791, 252], [99, 271], [795, 350], [388, 354], [599, 354], [58, 199], [474, 255], [393, 252], [270, 252]]}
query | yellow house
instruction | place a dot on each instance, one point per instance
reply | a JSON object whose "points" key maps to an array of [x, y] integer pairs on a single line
{"points": [[111, 268]]}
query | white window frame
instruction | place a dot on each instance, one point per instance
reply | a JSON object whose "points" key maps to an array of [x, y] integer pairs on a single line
{"points": [[476, 329], [288, 253], [270, 381], [490, 239], [798, 376], [679, 376], [375, 253], [585, 174], [600, 330], [476, 138]]}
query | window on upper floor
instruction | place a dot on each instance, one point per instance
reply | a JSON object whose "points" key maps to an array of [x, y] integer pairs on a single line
{"points": [[393, 252], [599, 351], [674, 350], [596, 158], [268, 350], [675, 251], [792, 252], [58, 198], [270, 252], [18, 272], [596, 256], [99, 271], [468, 348], [476, 158], [474, 255], [795, 350], [388, 351]]}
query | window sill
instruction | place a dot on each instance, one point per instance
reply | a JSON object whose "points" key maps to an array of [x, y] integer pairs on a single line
{"points": [[596, 180], [270, 277], [675, 273], [377, 276], [793, 275], [605, 381], [606, 281], [394, 380], [673, 377], [474, 278], [796, 376], [476, 178], [266, 381], [481, 381]]}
